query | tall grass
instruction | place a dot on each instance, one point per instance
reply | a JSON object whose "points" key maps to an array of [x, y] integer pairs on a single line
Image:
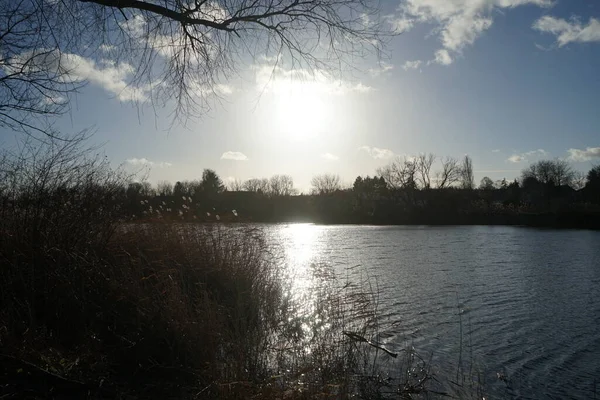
{"points": [[93, 307]]}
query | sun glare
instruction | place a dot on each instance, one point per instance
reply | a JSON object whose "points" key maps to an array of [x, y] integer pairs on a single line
{"points": [[302, 110]]}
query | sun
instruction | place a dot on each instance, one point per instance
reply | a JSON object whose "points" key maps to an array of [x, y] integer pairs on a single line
{"points": [[302, 109]]}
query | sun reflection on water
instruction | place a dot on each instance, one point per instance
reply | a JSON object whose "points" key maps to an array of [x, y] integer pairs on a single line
{"points": [[301, 242], [302, 247]]}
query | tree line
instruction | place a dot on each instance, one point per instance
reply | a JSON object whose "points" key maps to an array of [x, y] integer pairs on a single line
{"points": [[425, 189], [421, 189]]}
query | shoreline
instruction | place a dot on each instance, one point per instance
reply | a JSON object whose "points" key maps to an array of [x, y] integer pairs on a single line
{"points": [[566, 220]]}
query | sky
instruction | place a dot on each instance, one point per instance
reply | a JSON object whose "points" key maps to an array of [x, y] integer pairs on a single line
{"points": [[507, 82]]}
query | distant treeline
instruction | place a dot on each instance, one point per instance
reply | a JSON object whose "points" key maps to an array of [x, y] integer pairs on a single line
{"points": [[406, 191]]}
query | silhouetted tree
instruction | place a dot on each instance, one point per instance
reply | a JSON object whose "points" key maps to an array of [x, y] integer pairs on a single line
{"points": [[175, 50], [211, 183], [593, 177], [164, 188], [325, 184], [400, 173], [579, 179], [424, 164], [486, 184], [236, 185], [257, 185], [467, 179], [550, 172], [513, 194], [281, 185], [179, 190], [592, 185], [373, 186], [450, 173], [141, 189]]}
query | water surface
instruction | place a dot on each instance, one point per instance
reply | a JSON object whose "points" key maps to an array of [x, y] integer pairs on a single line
{"points": [[526, 302]]}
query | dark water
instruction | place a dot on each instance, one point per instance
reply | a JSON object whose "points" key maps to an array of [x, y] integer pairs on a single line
{"points": [[526, 302]]}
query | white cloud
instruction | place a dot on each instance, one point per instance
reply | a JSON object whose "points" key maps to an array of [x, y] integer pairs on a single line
{"points": [[401, 24], [112, 78], [496, 151], [224, 89], [54, 100], [584, 155], [443, 57], [382, 69], [135, 27], [146, 162], [200, 89], [463, 30], [276, 79], [330, 157], [412, 65], [572, 31], [376, 152], [517, 158], [459, 22], [234, 155], [107, 74]]}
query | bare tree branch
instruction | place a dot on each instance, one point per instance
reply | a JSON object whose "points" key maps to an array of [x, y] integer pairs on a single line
{"points": [[169, 50], [450, 173], [424, 163], [325, 184]]}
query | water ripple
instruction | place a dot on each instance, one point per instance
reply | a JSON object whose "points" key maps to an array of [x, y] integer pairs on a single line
{"points": [[527, 301]]}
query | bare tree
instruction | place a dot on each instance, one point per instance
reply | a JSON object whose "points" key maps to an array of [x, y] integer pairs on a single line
{"points": [[281, 185], [450, 173], [58, 191], [424, 163], [235, 185], [551, 172], [325, 184], [400, 173], [579, 179], [167, 50], [34, 83], [147, 189], [564, 174], [164, 188], [257, 185], [467, 180]]}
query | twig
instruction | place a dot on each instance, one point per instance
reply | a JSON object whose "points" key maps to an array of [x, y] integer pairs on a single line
{"points": [[358, 338]]}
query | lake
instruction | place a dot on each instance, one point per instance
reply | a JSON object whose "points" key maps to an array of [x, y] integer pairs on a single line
{"points": [[527, 301]]}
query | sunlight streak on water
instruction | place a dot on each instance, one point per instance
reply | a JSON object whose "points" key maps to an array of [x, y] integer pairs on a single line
{"points": [[300, 243], [527, 301]]}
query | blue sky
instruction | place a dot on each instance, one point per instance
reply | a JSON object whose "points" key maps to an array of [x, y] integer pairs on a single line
{"points": [[505, 81]]}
